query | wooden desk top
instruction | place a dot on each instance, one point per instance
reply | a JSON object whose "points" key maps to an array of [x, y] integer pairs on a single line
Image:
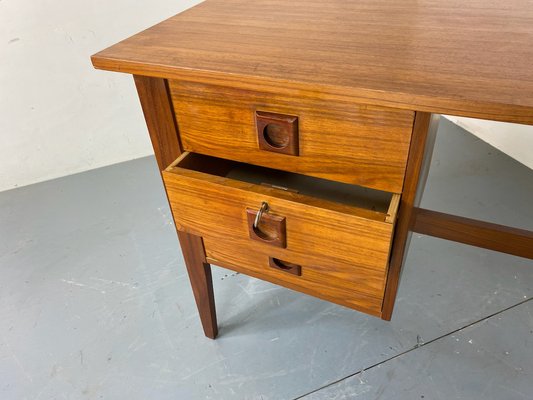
{"points": [[463, 57]]}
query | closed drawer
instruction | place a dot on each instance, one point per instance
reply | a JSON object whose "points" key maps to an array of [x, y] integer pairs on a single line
{"points": [[341, 141], [337, 236]]}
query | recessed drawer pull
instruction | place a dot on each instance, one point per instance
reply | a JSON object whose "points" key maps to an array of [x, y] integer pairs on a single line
{"points": [[285, 266], [265, 227], [277, 132]]}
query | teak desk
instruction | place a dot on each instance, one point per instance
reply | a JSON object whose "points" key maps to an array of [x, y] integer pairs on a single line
{"points": [[294, 137]]}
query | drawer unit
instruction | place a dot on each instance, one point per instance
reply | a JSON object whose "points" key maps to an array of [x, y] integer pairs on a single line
{"points": [[335, 237], [341, 141]]}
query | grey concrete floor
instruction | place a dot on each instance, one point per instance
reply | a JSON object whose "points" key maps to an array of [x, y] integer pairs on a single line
{"points": [[95, 301]]}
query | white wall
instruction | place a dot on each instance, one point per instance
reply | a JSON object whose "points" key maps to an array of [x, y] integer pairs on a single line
{"points": [[58, 115], [513, 139]]}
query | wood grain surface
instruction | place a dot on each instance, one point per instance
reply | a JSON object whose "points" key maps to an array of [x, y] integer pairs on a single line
{"points": [[372, 206], [462, 57], [155, 100], [201, 280], [205, 205], [343, 284], [505, 239], [423, 140], [346, 142], [160, 119], [338, 245]]}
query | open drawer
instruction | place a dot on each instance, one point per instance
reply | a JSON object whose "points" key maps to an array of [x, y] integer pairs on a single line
{"points": [[328, 239]]}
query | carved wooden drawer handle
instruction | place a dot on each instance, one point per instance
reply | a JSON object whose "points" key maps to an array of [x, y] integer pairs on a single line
{"points": [[277, 132], [285, 266], [265, 227]]}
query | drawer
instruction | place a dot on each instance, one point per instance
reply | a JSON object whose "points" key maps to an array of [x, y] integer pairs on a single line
{"points": [[336, 237], [341, 141]]}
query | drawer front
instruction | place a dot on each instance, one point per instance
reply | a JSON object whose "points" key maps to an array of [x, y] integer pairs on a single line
{"points": [[343, 255], [340, 141], [330, 280]]}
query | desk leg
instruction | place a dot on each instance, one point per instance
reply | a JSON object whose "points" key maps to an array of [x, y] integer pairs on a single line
{"points": [[161, 122], [420, 152], [202, 283]]}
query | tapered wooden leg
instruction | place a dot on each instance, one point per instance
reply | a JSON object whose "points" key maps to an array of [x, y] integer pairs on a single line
{"points": [[201, 281], [160, 119], [420, 152]]}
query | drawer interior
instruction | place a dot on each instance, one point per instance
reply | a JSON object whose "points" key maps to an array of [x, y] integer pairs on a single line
{"points": [[382, 205]]}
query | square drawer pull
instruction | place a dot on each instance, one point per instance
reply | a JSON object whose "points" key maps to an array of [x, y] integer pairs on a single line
{"points": [[270, 228], [277, 133]]}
